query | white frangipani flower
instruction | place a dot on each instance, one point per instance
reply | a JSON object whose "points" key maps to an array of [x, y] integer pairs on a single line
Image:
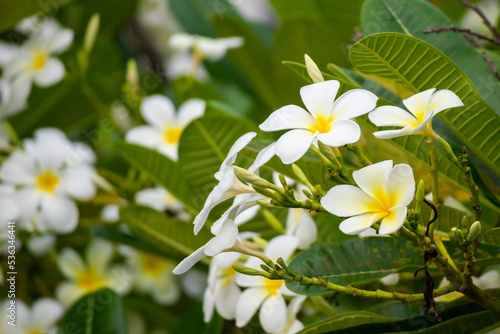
{"points": [[328, 120], [91, 276], [212, 49], [292, 324], [153, 275], [222, 293], [384, 193], [159, 199], [42, 317], [35, 61], [301, 225], [49, 173], [265, 293], [422, 106], [13, 97], [165, 127]]}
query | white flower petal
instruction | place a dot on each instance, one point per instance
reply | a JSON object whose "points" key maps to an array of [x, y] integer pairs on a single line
{"points": [[51, 73], [45, 313], [392, 116], [190, 261], [190, 110], [346, 200], [61, 41], [281, 246], [9, 211], [226, 300], [19, 168], [418, 104], [41, 245], [28, 200], [422, 127], [77, 182], [225, 239], [400, 185], [342, 132], [372, 179], [444, 99], [68, 293], [144, 135], [388, 134], [158, 110], [319, 97], [110, 213], [155, 198], [238, 145], [59, 213], [248, 303], [272, 315], [99, 254], [302, 226], [181, 41], [394, 221], [288, 117], [293, 145], [70, 263], [266, 154], [354, 103], [208, 305], [357, 224]]}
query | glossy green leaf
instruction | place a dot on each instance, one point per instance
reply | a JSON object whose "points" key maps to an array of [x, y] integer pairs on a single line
{"points": [[368, 259], [168, 234], [401, 16], [414, 66], [160, 169], [100, 312], [203, 147], [344, 321]]}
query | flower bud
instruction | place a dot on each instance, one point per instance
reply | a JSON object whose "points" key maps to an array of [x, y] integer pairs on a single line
{"points": [[313, 70], [250, 271], [447, 150], [299, 174], [253, 179], [326, 151], [132, 75], [453, 235], [91, 32], [460, 237], [474, 232]]}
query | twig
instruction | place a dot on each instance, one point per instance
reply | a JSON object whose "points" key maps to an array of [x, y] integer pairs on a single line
{"points": [[465, 32], [434, 216], [357, 36], [491, 64], [479, 12]]}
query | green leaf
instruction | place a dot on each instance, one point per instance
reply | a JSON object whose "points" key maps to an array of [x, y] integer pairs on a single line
{"points": [[368, 259], [493, 236], [345, 321], [160, 169], [203, 147], [400, 17], [415, 66], [100, 312], [480, 322], [167, 234], [15, 11]]}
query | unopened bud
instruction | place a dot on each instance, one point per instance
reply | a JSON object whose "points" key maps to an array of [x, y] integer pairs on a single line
{"points": [[132, 75], [282, 180], [326, 151], [299, 174], [313, 70], [250, 271], [460, 237], [91, 32], [447, 150], [253, 179], [474, 232]]}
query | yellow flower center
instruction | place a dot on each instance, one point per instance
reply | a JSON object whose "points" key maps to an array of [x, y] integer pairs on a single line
{"points": [[90, 281], [39, 60], [35, 331], [322, 124], [152, 265], [272, 286], [173, 136], [47, 182]]}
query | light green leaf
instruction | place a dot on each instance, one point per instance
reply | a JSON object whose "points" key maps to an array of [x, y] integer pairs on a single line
{"points": [[100, 312], [414, 66], [344, 321], [399, 16], [203, 147], [160, 169], [167, 234]]}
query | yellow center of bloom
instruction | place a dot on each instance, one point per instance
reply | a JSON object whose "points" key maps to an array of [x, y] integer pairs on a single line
{"points": [[35, 331], [322, 124], [172, 136], [152, 265], [272, 286], [47, 182], [90, 281], [39, 60]]}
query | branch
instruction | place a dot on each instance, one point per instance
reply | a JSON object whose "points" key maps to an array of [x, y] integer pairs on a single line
{"points": [[491, 64], [465, 31], [486, 22]]}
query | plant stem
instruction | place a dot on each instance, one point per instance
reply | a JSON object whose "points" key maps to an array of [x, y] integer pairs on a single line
{"points": [[359, 153]]}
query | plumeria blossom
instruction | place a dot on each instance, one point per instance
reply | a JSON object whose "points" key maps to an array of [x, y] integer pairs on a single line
{"points": [[165, 126], [212, 49], [159, 199], [50, 172], [153, 275], [292, 324], [41, 317], [94, 274], [301, 225], [384, 193], [222, 293], [265, 293], [422, 106], [35, 61], [327, 119]]}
